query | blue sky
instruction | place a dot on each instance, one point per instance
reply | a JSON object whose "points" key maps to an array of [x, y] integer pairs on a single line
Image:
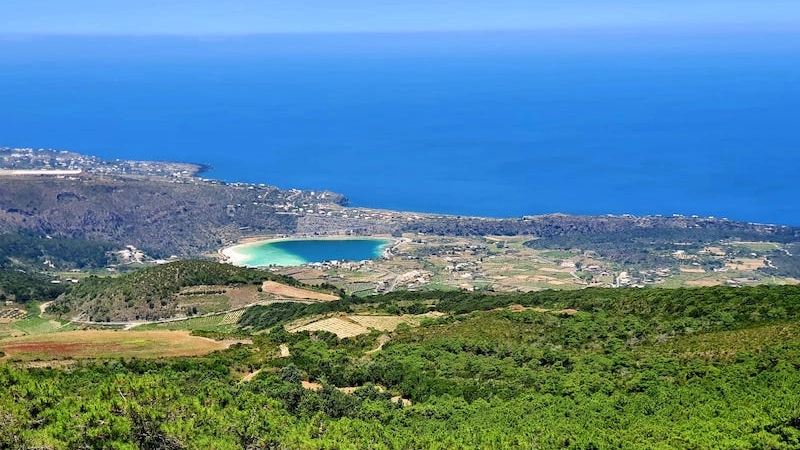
{"points": [[300, 16]]}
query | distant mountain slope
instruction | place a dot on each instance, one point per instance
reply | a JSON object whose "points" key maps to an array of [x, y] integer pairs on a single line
{"points": [[159, 215]]}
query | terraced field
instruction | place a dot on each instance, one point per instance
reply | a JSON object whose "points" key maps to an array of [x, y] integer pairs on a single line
{"points": [[206, 323], [231, 318]]}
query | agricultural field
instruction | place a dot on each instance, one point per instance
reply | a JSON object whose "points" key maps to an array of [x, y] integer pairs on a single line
{"points": [[8, 315], [38, 325], [222, 323], [345, 326], [15, 322], [215, 298], [505, 264], [500, 263], [209, 299], [108, 344], [283, 291]]}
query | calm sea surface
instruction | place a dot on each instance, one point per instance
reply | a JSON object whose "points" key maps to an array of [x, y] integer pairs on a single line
{"points": [[493, 124]]}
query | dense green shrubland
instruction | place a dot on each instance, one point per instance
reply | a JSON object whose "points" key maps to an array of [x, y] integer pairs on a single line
{"points": [[692, 368], [22, 287], [29, 249]]}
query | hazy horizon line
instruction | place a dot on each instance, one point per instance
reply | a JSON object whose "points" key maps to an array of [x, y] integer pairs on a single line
{"points": [[650, 29]]}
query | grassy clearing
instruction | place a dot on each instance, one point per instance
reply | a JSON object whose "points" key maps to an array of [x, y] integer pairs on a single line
{"points": [[37, 325], [8, 330], [556, 254], [758, 247], [108, 344]]}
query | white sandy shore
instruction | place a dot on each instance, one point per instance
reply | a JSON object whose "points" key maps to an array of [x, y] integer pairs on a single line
{"points": [[231, 255]]}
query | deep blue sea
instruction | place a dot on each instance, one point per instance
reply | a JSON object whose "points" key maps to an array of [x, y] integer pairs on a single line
{"points": [[491, 124]]}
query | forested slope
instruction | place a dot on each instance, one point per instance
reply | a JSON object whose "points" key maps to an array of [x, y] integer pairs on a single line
{"points": [[624, 368], [159, 215]]}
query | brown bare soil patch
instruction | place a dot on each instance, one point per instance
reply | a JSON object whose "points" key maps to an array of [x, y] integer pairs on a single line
{"points": [[310, 385], [349, 326], [554, 270], [745, 264], [701, 283], [250, 376], [313, 386], [109, 344], [383, 323], [546, 279], [716, 251], [283, 290], [219, 298]]}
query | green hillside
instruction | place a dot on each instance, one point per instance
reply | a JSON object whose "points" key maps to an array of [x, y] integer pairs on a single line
{"points": [[622, 368], [152, 293]]}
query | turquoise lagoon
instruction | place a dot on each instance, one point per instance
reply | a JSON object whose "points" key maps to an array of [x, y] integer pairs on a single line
{"points": [[296, 252]]}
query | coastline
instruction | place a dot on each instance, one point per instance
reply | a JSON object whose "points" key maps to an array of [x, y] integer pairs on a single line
{"points": [[20, 162], [231, 256]]}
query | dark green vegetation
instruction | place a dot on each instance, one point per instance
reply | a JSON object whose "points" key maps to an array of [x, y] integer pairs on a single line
{"points": [[43, 252], [21, 287], [152, 293], [631, 368], [25, 258], [654, 247]]}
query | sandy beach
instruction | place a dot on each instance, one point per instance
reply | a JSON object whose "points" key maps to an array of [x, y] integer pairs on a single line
{"points": [[231, 255]]}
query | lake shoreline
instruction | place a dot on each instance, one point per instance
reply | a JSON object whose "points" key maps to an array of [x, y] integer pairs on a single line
{"points": [[237, 254]]}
